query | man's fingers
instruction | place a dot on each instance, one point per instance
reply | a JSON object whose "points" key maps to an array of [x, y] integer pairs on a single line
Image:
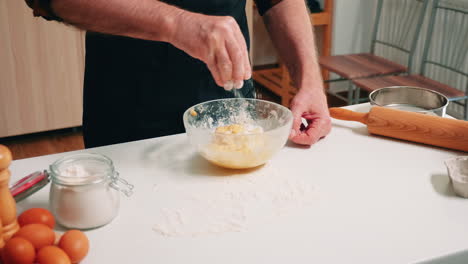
{"points": [[296, 126], [224, 66], [316, 129], [222, 47], [297, 121], [306, 137], [297, 113], [247, 73], [236, 56], [247, 68], [303, 139], [230, 53], [215, 73], [297, 135]]}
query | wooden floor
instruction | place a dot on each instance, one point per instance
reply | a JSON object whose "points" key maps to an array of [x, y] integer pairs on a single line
{"points": [[45, 143]]}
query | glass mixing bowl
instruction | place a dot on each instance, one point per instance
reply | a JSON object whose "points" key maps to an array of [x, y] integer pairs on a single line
{"points": [[266, 127]]}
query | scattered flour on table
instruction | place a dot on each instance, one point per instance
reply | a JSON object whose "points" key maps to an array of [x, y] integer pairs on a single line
{"points": [[229, 203]]}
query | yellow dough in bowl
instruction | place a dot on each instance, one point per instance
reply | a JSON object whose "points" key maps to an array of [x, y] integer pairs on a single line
{"points": [[238, 146]]}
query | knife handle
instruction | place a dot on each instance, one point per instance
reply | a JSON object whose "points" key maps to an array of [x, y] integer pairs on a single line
{"points": [[348, 115]]}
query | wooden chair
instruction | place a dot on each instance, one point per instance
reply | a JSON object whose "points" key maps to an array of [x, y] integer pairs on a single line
{"points": [[444, 65], [397, 25], [277, 79]]}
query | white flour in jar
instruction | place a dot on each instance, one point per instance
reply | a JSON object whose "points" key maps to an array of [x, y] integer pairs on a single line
{"points": [[77, 172], [83, 205]]}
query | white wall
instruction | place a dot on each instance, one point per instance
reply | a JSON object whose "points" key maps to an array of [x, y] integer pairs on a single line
{"points": [[353, 20], [352, 26]]}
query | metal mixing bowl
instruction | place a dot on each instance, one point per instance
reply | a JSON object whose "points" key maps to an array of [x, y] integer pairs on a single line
{"points": [[238, 151], [409, 98]]}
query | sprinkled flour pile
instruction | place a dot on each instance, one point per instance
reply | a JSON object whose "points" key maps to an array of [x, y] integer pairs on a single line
{"points": [[229, 204]]}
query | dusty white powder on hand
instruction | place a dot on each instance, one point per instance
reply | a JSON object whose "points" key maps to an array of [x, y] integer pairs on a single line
{"points": [[228, 204]]}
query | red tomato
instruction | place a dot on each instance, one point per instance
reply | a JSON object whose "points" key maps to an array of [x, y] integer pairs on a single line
{"points": [[37, 216]]}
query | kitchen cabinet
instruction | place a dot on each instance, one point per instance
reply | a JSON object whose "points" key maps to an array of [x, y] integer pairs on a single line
{"points": [[41, 72]]}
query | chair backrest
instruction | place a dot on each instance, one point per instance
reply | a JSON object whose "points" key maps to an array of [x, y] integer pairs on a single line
{"points": [[397, 27], [445, 56]]}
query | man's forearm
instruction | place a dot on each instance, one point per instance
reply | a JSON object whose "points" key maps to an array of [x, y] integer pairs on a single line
{"points": [[291, 31], [215, 40], [144, 19]]}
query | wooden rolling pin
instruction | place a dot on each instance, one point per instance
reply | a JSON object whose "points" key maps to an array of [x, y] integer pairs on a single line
{"points": [[416, 127]]}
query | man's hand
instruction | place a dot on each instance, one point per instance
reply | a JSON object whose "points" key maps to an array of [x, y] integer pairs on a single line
{"points": [[289, 25], [217, 41], [310, 104]]}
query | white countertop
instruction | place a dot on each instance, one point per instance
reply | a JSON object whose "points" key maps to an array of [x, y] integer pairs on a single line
{"points": [[379, 200]]}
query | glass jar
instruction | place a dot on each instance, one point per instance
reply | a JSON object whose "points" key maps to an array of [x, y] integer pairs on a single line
{"points": [[84, 191]]}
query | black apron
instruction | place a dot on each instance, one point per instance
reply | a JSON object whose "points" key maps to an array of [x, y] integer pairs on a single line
{"points": [[136, 89]]}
